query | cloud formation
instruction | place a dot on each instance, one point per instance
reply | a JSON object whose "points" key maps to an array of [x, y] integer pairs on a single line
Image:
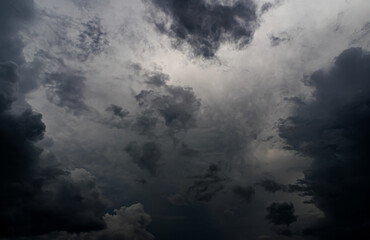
{"points": [[333, 129], [205, 25], [66, 89], [206, 186], [145, 156], [37, 199]]}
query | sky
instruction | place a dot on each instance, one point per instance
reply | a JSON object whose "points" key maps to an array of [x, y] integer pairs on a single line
{"points": [[184, 119]]}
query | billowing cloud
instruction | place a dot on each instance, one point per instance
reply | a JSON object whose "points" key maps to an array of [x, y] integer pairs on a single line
{"points": [[205, 25], [126, 223], [37, 199], [176, 105], [333, 129]]}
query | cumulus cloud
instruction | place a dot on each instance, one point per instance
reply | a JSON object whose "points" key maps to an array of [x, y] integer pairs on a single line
{"points": [[126, 223], [163, 109], [36, 196], [205, 25], [176, 105], [37, 199], [333, 129]]}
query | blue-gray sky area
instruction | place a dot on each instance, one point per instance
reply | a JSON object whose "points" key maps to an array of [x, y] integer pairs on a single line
{"points": [[184, 119]]}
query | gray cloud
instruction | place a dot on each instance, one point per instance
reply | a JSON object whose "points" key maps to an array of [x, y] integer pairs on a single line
{"points": [[66, 89], [176, 105], [117, 111], [36, 196], [245, 193], [205, 26], [126, 223], [92, 40], [281, 213], [333, 129], [270, 185], [145, 156], [206, 186], [277, 39], [37, 199]]}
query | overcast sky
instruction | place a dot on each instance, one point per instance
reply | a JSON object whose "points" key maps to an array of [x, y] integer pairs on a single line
{"points": [[184, 119]]}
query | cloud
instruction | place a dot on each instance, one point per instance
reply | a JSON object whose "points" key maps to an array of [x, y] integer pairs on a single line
{"points": [[163, 108], [270, 185], [203, 25], [66, 89], [126, 223], [277, 39], [37, 199], [333, 130], [8, 79], [36, 196], [145, 156], [206, 186], [176, 105], [92, 40], [117, 111], [245, 193], [13, 14], [281, 213]]}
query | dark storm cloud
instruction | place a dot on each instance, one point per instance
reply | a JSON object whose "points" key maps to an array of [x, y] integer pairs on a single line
{"points": [[13, 14], [333, 129], [92, 40], [66, 89], [281, 213], [126, 223], [246, 193], [206, 186], [36, 199], [145, 156], [8, 79], [205, 26], [270, 185]]}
